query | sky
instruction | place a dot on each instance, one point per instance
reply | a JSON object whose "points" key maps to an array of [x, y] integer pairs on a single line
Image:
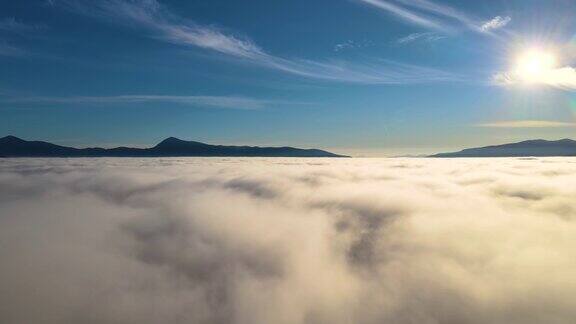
{"points": [[361, 77]]}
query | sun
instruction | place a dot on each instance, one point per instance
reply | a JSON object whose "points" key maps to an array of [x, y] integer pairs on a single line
{"points": [[533, 65]]}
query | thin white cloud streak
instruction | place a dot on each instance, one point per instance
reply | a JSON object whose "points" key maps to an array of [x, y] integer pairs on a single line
{"points": [[168, 27], [350, 44], [562, 78], [426, 37], [342, 46], [9, 50], [527, 124], [407, 12], [14, 26], [371, 73], [495, 23], [442, 10], [288, 241], [228, 102]]}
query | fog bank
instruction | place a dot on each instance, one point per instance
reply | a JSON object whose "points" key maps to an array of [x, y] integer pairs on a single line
{"points": [[400, 241]]}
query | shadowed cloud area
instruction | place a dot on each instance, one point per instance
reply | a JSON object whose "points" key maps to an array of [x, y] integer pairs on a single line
{"points": [[220, 240]]}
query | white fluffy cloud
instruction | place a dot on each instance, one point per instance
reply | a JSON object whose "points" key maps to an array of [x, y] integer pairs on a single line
{"points": [[468, 241]]}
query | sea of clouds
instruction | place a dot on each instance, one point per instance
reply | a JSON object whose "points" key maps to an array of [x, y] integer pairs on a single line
{"points": [[399, 241]]}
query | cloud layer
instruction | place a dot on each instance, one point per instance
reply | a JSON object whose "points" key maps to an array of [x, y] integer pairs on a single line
{"points": [[468, 241]]}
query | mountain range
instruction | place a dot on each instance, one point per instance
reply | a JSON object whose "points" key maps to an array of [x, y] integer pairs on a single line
{"points": [[11, 146], [563, 147]]}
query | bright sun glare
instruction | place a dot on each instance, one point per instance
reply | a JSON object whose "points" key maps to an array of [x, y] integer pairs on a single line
{"points": [[533, 65]]}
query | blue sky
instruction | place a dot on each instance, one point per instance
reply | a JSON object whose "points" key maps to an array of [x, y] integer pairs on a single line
{"points": [[364, 77]]}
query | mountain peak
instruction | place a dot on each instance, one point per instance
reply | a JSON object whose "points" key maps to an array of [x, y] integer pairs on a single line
{"points": [[171, 139], [176, 142], [11, 139], [11, 146]]}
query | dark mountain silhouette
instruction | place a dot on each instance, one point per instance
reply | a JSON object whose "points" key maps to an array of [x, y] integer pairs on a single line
{"points": [[564, 147], [11, 146]]}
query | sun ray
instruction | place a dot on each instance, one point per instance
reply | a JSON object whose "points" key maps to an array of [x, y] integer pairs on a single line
{"points": [[534, 65]]}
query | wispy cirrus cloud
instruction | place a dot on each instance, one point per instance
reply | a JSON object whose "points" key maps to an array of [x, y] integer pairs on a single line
{"points": [[436, 16], [9, 50], [527, 124], [169, 27], [15, 26], [495, 23], [441, 10], [405, 14], [426, 37], [351, 44], [227, 102]]}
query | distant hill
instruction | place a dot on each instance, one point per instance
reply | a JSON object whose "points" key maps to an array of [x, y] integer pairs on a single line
{"points": [[11, 146], [564, 147]]}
